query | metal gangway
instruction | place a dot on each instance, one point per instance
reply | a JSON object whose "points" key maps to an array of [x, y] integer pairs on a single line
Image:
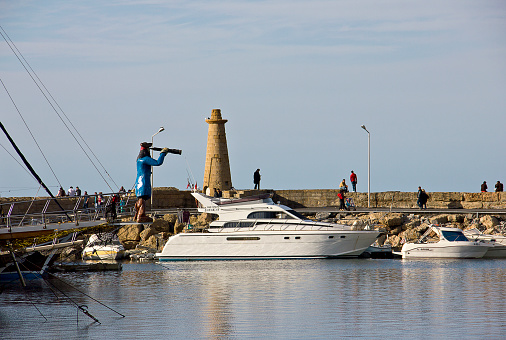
{"points": [[41, 214]]}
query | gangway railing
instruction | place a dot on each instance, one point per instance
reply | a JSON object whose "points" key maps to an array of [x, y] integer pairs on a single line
{"points": [[44, 211]]}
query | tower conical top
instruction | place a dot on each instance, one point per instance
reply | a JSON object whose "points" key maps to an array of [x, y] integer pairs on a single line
{"points": [[216, 117]]}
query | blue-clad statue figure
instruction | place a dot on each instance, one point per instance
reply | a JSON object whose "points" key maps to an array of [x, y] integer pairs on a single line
{"points": [[143, 181]]}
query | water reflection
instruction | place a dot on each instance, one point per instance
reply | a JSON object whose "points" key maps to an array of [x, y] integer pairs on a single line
{"points": [[274, 299]]}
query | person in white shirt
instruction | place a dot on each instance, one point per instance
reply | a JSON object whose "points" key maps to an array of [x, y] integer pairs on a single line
{"points": [[71, 192]]}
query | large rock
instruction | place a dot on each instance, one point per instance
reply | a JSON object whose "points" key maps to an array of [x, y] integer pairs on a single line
{"points": [[129, 244], [490, 231], [411, 224], [204, 219], [422, 228], [489, 221], [456, 218], [410, 235], [178, 227], [162, 224], [171, 218], [394, 241], [130, 232], [439, 219], [392, 220], [155, 243], [147, 233]]}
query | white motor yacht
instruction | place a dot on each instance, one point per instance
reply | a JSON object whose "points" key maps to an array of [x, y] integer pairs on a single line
{"points": [[103, 246], [257, 228], [444, 242], [497, 242]]}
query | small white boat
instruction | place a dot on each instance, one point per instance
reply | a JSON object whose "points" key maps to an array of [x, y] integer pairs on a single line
{"points": [[257, 228], [444, 242], [103, 246], [497, 242]]}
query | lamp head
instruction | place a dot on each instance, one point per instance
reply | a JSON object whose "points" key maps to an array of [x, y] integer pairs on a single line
{"points": [[363, 127], [161, 129]]}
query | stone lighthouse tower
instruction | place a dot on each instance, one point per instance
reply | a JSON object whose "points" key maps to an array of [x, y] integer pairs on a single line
{"points": [[217, 172]]}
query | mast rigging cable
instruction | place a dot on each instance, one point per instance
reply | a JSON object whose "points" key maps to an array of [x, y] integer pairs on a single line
{"points": [[19, 56]]}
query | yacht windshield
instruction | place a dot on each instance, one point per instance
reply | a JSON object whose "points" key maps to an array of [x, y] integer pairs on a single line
{"points": [[454, 236], [296, 214], [288, 215]]}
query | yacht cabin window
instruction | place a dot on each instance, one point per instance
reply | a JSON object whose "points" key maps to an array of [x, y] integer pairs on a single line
{"points": [[276, 215]]}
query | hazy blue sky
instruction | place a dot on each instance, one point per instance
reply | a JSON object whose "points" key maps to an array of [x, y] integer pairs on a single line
{"points": [[295, 79]]}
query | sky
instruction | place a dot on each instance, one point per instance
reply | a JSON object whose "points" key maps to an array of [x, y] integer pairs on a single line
{"points": [[295, 80]]}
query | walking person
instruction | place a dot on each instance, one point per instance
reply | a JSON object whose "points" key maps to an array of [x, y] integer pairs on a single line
{"points": [[353, 180], [425, 198], [419, 198], [256, 179]]}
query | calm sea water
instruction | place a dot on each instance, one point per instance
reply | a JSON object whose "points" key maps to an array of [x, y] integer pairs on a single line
{"points": [[299, 299]]}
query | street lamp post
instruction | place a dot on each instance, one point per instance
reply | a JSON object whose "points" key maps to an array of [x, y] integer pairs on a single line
{"points": [[159, 130], [368, 166]]}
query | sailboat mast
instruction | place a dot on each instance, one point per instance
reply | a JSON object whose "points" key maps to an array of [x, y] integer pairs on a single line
{"points": [[30, 167]]}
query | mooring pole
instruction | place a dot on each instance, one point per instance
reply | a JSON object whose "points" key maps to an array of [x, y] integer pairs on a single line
{"points": [[21, 278]]}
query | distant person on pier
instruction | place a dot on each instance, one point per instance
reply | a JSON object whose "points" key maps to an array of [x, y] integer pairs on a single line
{"points": [[143, 181], [343, 186], [256, 179], [353, 180], [484, 186], [61, 192], [100, 200], [71, 192], [425, 198], [78, 191], [111, 208], [342, 200], [498, 187], [419, 198], [86, 199], [122, 191], [95, 200]]}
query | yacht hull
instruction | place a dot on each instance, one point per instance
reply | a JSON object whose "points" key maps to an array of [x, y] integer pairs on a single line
{"points": [[250, 245], [447, 250]]}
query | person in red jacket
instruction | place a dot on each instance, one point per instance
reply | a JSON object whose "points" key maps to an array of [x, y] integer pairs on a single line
{"points": [[353, 180], [342, 199]]}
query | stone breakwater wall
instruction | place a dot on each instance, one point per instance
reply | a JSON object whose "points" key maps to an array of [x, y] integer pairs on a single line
{"points": [[167, 198], [394, 199], [164, 198]]}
